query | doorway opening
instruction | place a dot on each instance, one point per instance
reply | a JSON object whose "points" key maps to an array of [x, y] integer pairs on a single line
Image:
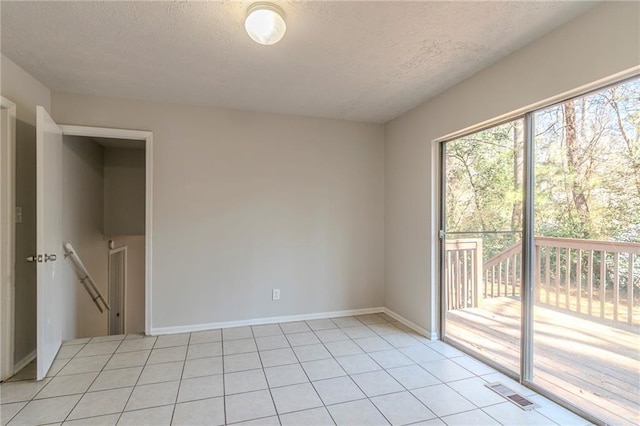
{"points": [[76, 183]]}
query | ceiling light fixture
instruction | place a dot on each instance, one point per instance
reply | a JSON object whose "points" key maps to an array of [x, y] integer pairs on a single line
{"points": [[265, 23]]}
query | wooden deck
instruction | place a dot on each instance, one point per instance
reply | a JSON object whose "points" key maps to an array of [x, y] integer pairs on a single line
{"points": [[593, 365]]}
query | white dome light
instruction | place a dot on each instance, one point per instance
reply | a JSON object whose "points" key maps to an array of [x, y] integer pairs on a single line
{"points": [[265, 23]]}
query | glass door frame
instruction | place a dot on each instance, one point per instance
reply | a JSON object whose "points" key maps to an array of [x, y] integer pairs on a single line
{"points": [[525, 376]]}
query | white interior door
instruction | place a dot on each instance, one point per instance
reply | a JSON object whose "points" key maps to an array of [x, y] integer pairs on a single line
{"points": [[49, 239]]}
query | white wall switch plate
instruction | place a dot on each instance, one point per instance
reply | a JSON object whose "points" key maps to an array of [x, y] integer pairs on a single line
{"points": [[275, 295]]}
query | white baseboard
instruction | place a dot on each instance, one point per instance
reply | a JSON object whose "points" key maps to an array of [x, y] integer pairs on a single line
{"points": [[260, 321], [23, 362], [431, 335]]}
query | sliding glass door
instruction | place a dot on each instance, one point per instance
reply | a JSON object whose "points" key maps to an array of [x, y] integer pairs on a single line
{"points": [[561, 307], [482, 240], [586, 316]]}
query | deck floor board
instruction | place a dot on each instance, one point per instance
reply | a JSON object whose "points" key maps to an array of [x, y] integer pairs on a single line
{"points": [[591, 364]]}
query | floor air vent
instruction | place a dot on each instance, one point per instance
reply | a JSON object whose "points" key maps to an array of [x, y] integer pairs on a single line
{"points": [[512, 396]]}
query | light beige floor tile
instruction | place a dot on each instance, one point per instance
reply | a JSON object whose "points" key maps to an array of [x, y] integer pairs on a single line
{"points": [[323, 369], [345, 322], [43, 411], [159, 356], [360, 363], [28, 372], [236, 333], [266, 330], [557, 413], [311, 353], [204, 350], [271, 342], [21, 391], [8, 411], [157, 373], [422, 354], [202, 367], [56, 367], [321, 324], [331, 335], [106, 420], [102, 339], [278, 357], [373, 344], [315, 416], [377, 383], [340, 389], [447, 370], [302, 339], [361, 413], [295, 398], [474, 390], [206, 336], [81, 341], [241, 362], [170, 340], [85, 365], [135, 336], [239, 346], [471, 418], [244, 381], [285, 375], [156, 416], [343, 348], [443, 400], [264, 421], [200, 413], [127, 359], [372, 319], [155, 395], [402, 408], [385, 329], [413, 376], [134, 345], [359, 332], [445, 349], [401, 340], [67, 352], [113, 379], [93, 349], [67, 385], [201, 388], [508, 413], [390, 359], [249, 406], [476, 367], [294, 327], [99, 403]]}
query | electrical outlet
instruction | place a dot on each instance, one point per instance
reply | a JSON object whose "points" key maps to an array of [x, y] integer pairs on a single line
{"points": [[275, 295]]}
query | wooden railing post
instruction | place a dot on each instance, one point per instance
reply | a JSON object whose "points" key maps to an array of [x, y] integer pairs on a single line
{"points": [[478, 290]]}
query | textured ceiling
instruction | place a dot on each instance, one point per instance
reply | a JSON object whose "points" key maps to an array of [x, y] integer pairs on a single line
{"points": [[368, 61]]}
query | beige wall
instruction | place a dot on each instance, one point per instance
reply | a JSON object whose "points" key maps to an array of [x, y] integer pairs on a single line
{"points": [[603, 41], [82, 226], [26, 92], [245, 202], [124, 189]]}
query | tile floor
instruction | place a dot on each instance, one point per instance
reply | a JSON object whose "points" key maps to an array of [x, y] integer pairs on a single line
{"points": [[365, 370]]}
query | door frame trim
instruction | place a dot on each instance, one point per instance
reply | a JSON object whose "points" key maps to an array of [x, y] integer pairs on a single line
{"points": [[7, 234], [123, 290], [106, 132]]}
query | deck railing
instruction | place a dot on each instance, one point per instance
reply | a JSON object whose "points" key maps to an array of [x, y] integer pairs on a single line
{"points": [[588, 277]]}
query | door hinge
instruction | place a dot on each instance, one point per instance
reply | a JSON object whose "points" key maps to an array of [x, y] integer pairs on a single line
{"points": [[441, 234]]}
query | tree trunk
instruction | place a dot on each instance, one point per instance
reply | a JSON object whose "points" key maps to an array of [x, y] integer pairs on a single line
{"points": [[518, 140], [573, 165]]}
